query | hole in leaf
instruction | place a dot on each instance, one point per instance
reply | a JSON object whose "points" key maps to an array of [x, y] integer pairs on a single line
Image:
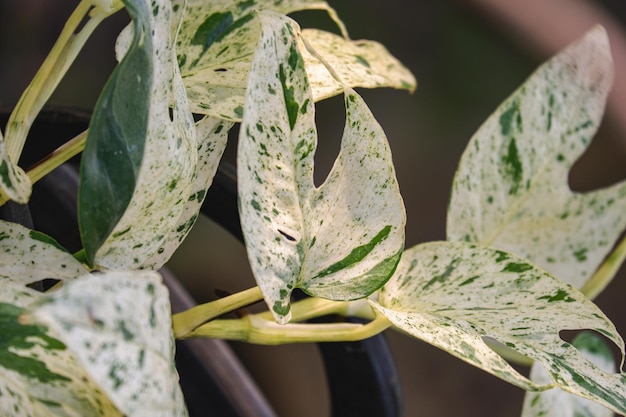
{"points": [[287, 236], [591, 342], [220, 70], [44, 284]]}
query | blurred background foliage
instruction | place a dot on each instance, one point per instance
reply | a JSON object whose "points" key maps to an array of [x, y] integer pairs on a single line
{"points": [[468, 56]]}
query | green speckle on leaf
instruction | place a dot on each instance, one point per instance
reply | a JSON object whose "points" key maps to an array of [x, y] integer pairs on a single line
{"points": [[444, 276], [4, 174], [280, 309], [517, 267], [561, 295], [513, 166], [256, 205], [510, 119], [357, 254], [362, 61], [581, 255], [291, 104], [469, 280]]}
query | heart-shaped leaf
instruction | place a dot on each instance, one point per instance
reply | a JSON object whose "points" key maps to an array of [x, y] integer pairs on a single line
{"points": [[340, 241], [452, 295], [13, 180], [555, 402], [511, 188], [119, 327], [28, 256], [139, 166], [40, 375]]}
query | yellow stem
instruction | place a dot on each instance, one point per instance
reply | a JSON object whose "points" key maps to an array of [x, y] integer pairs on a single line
{"points": [[606, 272], [254, 329], [185, 322], [56, 64]]}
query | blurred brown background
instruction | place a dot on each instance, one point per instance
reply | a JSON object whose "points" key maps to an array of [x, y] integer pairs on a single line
{"points": [[468, 56]]}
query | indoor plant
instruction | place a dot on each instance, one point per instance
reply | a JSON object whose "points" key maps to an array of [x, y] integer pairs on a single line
{"points": [[341, 241]]}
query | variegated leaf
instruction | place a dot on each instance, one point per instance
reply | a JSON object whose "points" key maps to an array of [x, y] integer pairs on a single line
{"points": [[39, 375], [452, 295], [13, 180], [511, 188], [339, 241], [138, 166], [217, 41], [359, 63], [28, 256], [119, 327], [555, 402], [212, 135]]}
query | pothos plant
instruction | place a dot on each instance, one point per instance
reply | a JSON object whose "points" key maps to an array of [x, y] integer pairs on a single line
{"points": [[523, 256]]}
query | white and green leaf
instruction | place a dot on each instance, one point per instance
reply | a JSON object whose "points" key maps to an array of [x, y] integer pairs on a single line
{"points": [[557, 403], [511, 187], [339, 241], [28, 256], [40, 376], [454, 294], [14, 182], [212, 135], [119, 327], [139, 166], [218, 39]]}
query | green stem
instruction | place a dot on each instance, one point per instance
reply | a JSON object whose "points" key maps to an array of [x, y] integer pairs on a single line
{"points": [[186, 321], [56, 64], [254, 329]]}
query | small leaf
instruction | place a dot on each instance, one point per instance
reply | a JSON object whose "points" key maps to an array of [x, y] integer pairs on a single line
{"points": [[127, 210], [556, 403], [40, 376], [511, 188], [119, 327], [339, 241], [28, 256], [13, 180], [452, 295]]}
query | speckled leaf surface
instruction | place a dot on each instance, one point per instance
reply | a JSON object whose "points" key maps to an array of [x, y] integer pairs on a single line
{"points": [[217, 41], [39, 375], [358, 63], [212, 135], [555, 402], [454, 294], [119, 327], [13, 180], [28, 256], [339, 241], [150, 193], [511, 189]]}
